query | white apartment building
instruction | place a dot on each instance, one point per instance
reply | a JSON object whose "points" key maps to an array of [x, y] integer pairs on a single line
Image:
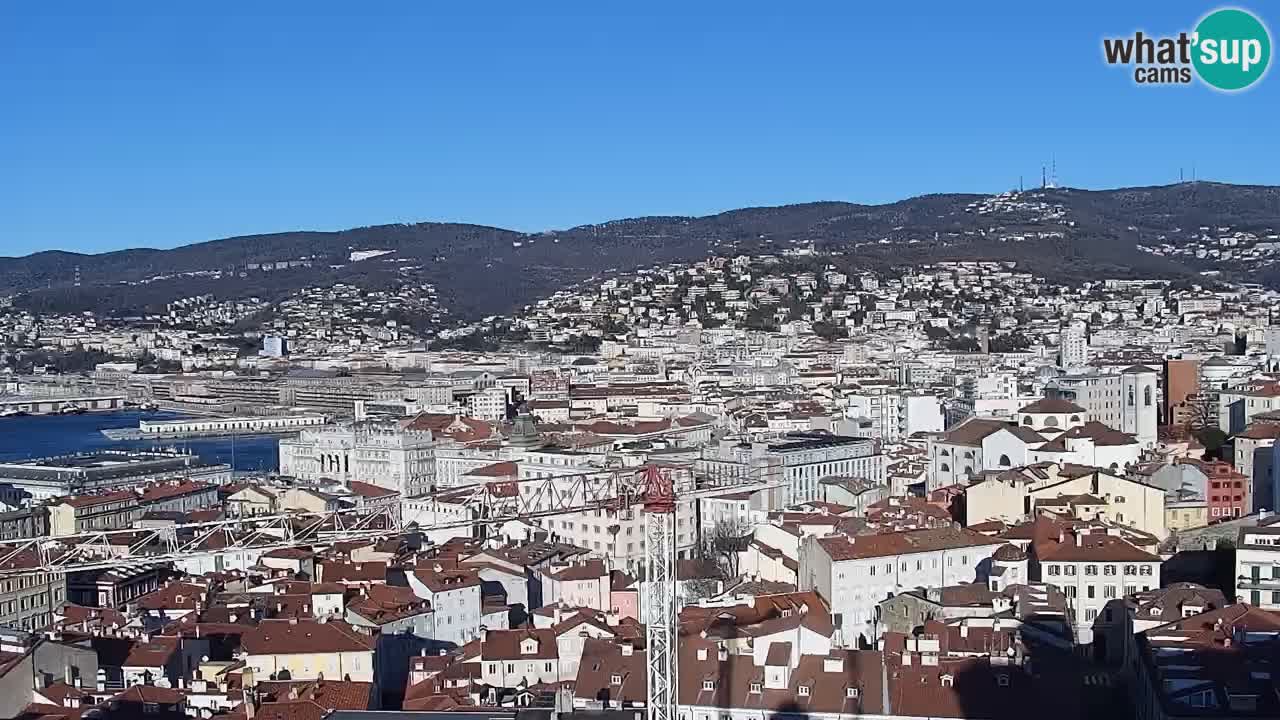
{"points": [[455, 600], [1237, 406], [1093, 567], [854, 574], [618, 536], [895, 416], [798, 461], [489, 404], [1258, 566], [1073, 344]]}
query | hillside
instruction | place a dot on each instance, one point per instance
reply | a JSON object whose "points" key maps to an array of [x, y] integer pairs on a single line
{"points": [[1065, 233]]}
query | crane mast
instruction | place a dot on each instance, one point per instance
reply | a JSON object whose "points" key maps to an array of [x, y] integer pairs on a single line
{"points": [[659, 605]]}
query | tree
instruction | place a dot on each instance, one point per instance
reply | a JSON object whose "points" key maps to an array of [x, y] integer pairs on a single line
{"points": [[1212, 439], [723, 543], [1200, 410]]}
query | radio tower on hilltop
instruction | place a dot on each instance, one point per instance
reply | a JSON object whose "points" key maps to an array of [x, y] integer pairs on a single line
{"points": [[76, 278]]}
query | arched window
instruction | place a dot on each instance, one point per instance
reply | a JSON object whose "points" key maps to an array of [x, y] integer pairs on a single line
{"points": [[1051, 421], [968, 469], [1131, 396], [1075, 418], [968, 454], [945, 453], [945, 467], [1026, 420], [1005, 461], [1146, 396]]}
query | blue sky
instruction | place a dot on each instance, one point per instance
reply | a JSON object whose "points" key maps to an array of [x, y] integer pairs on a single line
{"points": [[161, 123]]}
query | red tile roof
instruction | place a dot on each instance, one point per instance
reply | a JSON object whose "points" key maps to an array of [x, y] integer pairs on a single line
{"points": [[288, 637], [840, 547], [368, 490]]}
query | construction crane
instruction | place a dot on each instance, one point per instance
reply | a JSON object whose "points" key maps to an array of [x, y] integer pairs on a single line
{"points": [[658, 602], [486, 504]]}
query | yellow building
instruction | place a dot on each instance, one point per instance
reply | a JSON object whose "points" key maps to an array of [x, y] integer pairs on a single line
{"points": [[296, 649]]}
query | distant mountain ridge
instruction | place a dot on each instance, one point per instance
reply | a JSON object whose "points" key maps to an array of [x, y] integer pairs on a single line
{"points": [[481, 270]]}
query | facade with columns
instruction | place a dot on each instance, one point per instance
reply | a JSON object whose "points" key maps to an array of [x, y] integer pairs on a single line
{"points": [[376, 452]]}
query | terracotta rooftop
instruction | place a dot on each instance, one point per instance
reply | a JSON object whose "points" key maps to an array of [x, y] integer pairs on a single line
{"points": [[841, 548], [1051, 406]]}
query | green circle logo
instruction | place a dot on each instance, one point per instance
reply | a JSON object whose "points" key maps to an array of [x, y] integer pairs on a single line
{"points": [[1232, 49]]}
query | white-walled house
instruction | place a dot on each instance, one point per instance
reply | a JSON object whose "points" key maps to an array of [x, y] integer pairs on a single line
{"points": [[854, 574], [578, 584], [1092, 568], [455, 601]]}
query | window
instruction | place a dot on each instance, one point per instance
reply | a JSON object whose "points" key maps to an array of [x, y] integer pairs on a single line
{"points": [[1005, 461], [945, 467], [708, 684], [1002, 680], [150, 708], [803, 691], [547, 668], [1090, 615], [1144, 570], [755, 688], [1069, 570], [1109, 591], [1090, 569], [851, 692], [1055, 570], [615, 679], [1089, 591], [873, 571], [1108, 569]]}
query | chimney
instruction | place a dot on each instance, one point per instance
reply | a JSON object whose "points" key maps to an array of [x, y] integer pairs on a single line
{"points": [[964, 628], [628, 648], [247, 693], [484, 633]]}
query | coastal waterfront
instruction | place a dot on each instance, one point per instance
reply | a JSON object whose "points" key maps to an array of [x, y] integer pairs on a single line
{"points": [[33, 436]]}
